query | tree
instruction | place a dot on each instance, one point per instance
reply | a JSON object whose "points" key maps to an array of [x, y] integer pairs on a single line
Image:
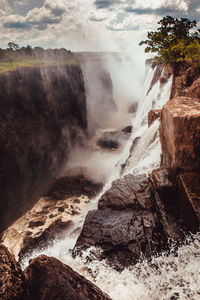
{"points": [[13, 46], [173, 41]]}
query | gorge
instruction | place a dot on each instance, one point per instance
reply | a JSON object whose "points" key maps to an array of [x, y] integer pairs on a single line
{"points": [[113, 195]]}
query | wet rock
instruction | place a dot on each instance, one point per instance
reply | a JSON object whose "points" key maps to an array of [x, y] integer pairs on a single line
{"points": [[126, 225], [123, 235], [49, 279], [113, 140], [133, 108], [108, 144], [127, 129], [12, 280], [180, 133], [189, 199], [129, 192], [167, 204], [153, 115], [44, 237]]}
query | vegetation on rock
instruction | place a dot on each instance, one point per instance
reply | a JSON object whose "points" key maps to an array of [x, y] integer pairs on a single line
{"points": [[174, 41]]}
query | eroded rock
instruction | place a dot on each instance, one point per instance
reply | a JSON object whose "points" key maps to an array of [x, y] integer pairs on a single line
{"points": [[51, 217]]}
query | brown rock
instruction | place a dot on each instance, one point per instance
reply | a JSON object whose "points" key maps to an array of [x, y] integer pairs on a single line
{"points": [[12, 281], [185, 76], [180, 133], [49, 279], [194, 90], [153, 115]]}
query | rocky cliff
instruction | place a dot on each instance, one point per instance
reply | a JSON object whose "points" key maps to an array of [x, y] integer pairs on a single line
{"points": [[43, 113]]}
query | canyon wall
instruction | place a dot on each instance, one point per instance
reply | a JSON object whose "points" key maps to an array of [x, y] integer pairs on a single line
{"points": [[43, 113]]}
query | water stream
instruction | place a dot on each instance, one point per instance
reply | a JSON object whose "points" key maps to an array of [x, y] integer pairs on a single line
{"points": [[174, 276]]}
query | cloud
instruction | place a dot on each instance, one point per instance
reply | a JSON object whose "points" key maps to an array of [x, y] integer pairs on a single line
{"points": [[40, 18], [105, 3]]}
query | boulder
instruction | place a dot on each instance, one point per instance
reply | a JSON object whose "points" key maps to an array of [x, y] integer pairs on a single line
{"points": [[153, 115], [12, 280], [126, 225], [49, 279], [180, 134], [114, 139]]}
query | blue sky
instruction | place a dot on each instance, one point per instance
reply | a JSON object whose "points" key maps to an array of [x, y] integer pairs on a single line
{"points": [[86, 24]]}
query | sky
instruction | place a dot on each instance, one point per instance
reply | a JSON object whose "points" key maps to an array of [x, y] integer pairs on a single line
{"points": [[81, 25]]}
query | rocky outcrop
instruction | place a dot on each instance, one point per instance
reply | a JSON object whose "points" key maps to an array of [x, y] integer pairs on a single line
{"points": [[125, 226], [43, 113], [51, 217], [180, 134], [185, 81], [153, 115], [48, 279], [12, 280]]}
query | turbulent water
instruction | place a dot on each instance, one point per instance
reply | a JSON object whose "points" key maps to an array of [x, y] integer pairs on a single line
{"points": [[169, 276]]}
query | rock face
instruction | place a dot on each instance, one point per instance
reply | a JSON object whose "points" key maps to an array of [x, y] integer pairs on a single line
{"points": [[51, 217], [49, 279], [43, 112], [12, 280], [126, 225], [185, 81], [189, 199], [180, 134], [167, 204]]}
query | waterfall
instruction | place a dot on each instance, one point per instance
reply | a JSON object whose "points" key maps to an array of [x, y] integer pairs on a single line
{"points": [[173, 276]]}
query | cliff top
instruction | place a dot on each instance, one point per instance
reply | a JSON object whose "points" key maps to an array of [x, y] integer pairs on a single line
{"points": [[6, 66]]}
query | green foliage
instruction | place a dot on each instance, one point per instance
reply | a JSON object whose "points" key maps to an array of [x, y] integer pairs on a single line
{"points": [[173, 41]]}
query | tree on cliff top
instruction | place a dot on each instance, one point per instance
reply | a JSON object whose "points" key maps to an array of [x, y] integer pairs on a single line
{"points": [[173, 41]]}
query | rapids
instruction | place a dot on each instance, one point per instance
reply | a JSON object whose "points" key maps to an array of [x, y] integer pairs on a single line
{"points": [[172, 276]]}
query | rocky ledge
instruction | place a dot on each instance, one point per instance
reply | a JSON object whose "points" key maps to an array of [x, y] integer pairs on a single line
{"points": [[52, 216]]}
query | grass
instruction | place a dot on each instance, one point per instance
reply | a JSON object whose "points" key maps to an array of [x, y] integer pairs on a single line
{"points": [[14, 65]]}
